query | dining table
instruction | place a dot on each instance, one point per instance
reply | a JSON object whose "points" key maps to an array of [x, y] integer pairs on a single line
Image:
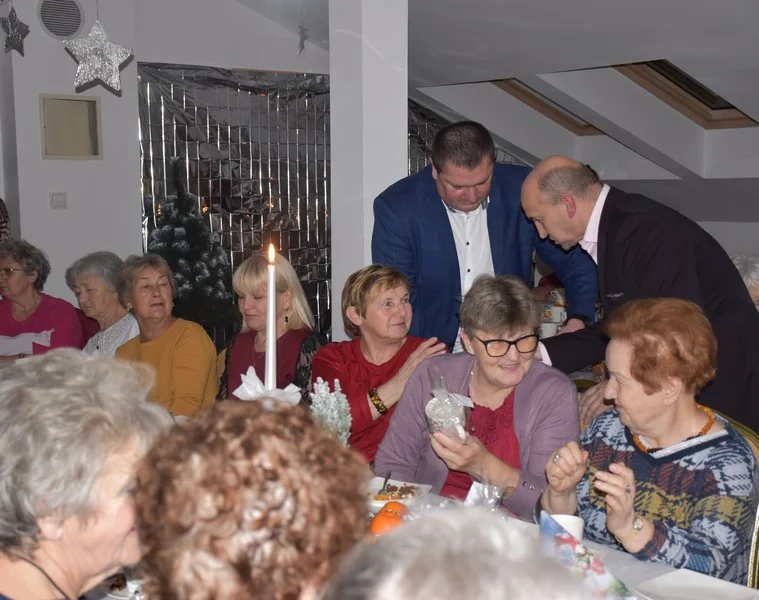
{"points": [[656, 581], [646, 580]]}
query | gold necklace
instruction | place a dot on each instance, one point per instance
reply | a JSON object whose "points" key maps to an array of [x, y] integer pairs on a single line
{"points": [[709, 422]]}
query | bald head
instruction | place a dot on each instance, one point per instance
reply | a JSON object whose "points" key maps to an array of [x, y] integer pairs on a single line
{"points": [[558, 196], [557, 175]]}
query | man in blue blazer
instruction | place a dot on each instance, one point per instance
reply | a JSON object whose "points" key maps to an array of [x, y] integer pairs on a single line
{"points": [[461, 217]]}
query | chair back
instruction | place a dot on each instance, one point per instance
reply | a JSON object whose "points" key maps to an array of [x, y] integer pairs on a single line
{"points": [[753, 562]]}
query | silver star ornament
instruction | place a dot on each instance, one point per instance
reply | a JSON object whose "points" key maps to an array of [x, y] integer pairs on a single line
{"points": [[15, 32], [98, 57]]}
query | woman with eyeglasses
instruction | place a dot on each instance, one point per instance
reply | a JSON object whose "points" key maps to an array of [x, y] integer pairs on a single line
{"points": [[31, 322], [522, 407], [375, 365]]}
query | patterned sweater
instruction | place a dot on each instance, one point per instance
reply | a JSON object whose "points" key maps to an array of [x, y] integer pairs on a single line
{"points": [[700, 495]]}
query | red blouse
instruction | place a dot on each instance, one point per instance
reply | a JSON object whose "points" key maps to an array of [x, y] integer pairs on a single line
{"points": [[495, 429], [345, 362], [242, 355]]}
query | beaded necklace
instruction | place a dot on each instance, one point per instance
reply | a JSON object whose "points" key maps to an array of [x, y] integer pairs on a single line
{"points": [[709, 422]]}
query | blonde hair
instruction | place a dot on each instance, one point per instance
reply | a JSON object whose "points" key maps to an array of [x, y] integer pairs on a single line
{"points": [[362, 286], [251, 277]]}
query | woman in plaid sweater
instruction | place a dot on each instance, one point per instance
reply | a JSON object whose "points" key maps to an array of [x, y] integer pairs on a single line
{"points": [[661, 476]]}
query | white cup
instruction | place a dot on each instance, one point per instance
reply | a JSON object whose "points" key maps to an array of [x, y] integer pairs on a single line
{"points": [[574, 525], [558, 314], [548, 329]]}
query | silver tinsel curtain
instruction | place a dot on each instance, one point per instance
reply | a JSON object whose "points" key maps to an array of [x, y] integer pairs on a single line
{"points": [[256, 148]]}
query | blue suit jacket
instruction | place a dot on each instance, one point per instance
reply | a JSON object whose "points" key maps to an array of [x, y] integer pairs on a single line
{"points": [[412, 233]]}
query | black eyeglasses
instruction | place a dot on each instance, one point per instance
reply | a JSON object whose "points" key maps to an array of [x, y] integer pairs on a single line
{"points": [[498, 348]]}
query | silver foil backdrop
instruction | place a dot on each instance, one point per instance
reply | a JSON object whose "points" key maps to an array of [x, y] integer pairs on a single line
{"points": [[256, 147]]}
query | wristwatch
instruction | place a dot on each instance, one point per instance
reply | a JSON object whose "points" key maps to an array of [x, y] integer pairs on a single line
{"points": [[637, 524]]}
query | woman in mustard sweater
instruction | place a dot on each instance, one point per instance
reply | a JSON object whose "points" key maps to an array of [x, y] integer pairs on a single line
{"points": [[181, 352]]}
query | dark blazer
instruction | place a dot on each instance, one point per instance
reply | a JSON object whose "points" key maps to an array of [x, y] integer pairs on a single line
{"points": [[646, 250], [412, 233]]}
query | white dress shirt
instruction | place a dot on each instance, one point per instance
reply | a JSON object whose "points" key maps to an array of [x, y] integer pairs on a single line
{"points": [[470, 234], [589, 243]]}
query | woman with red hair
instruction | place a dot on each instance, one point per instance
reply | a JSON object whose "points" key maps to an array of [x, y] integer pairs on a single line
{"points": [[661, 476]]}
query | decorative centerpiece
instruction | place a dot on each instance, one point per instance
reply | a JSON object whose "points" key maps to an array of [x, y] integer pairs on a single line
{"points": [[331, 410]]}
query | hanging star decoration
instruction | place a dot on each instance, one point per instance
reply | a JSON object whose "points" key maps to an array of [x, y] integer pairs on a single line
{"points": [[15, 32], [98, 57]]}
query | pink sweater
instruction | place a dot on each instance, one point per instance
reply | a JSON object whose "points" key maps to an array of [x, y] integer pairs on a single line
{"points": [[53, 314]]}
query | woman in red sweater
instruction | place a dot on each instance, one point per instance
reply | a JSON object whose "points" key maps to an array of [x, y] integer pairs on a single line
{"points": [[373, 367]]}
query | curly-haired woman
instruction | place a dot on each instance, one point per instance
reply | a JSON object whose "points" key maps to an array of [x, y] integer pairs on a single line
{"points": [[247, 501]]}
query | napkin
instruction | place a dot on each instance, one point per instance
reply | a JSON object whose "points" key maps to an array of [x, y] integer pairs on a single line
{"points": [[580, 561], [251, 388]]}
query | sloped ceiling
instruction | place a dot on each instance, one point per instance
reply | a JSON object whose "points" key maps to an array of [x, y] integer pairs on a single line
{"points": [[551, 45]]}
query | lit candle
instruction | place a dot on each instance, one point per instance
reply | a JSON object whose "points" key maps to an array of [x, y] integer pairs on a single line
{"points": [[270, 381]]}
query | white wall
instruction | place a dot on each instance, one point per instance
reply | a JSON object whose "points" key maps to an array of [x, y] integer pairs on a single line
{"points": [[103, 195], [220, 33], [8, 162], [735, 237]]}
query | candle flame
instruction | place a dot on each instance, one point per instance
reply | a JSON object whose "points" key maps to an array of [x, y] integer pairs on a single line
{"points": [[271, 254]]}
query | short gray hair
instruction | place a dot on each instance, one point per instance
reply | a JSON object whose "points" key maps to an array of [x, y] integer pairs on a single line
{"points": [[748, 267], [499, 303], [62, 415], [567, 180], [451, 554], [31, 259], [136, 263], [104, 265]]}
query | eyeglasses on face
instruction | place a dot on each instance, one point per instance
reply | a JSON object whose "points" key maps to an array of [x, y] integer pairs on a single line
{"points": [[7, 272], [497, 348]]}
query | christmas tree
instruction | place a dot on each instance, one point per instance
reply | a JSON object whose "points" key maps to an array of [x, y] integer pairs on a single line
{"points": [[201, 268]]}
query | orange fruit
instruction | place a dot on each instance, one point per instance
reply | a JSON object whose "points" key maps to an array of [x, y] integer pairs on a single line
{"points": [[389, 517]]}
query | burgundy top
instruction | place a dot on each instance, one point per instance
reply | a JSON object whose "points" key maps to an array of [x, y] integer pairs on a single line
{"points": [[345, 362], [546, 417], [495, 429], [242, 355]]}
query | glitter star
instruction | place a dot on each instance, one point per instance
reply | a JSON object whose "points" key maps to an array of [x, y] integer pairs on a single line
{"points": [[98, 57], [15, 32]]}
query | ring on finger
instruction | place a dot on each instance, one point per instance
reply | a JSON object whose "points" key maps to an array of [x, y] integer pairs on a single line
{"points": [[628, 489], [555, 458]]}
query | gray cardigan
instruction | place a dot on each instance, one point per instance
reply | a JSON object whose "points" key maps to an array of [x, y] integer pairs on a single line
{"points": [[545, 418]]}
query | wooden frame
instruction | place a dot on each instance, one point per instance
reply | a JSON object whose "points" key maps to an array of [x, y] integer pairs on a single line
{"points": [[69, 133], [682, 101], [531, 99]]}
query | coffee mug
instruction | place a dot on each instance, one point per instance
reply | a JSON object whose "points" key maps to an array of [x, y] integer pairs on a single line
{"points": [[574, 525], [558, 314], [548, 329]]}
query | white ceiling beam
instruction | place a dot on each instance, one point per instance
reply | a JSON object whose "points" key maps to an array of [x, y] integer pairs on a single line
{"points": [[629, 114], [531, 136], [528, 135]]}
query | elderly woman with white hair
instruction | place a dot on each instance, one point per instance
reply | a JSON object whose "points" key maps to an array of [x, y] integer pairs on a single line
{"points": [[94, 279], [72, 429], [748, 267], [453, 554]]}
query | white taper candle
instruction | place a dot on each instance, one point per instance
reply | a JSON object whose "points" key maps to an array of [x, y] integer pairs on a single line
{"points": [[270, 380]]}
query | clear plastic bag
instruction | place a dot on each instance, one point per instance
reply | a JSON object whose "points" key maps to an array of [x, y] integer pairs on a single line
{"points": [[445, 411]]}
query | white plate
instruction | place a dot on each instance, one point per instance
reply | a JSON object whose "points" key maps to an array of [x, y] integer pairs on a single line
{"points": [[375, 485], [689, 585]]}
